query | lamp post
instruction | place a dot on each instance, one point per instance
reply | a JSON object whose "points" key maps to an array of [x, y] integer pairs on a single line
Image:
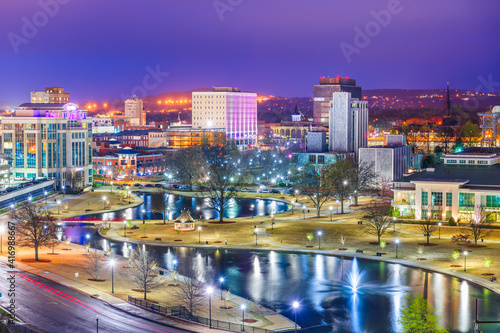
{"points": [[221, 281], [319, 239], [45, 193], [63, 189], [337, 205], [331, 213], [58, 207], [295, 307], [304, 211], [465, 260], [252, 206], [129, 197], [439, 228], [272, 221], [125, 228], [210, 290], [242, 307], [112, 264], [97, 323], [199, 235], [394, 222], [87, 237], [396, 241], [104, 202], [143, 216]]}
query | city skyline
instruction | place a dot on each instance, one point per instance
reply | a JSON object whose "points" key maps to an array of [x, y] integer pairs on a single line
{"points": [[108, 51]]}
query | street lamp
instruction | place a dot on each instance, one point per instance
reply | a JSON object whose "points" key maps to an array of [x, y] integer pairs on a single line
{"points": [[272, 221], [304, 211], [64, 192], [174, 262], [87, 237], [45, 193], [210, 290], [465, 260], [338, 205], [112, 264], [331, 213], [242, 307], [295, 307], [58, 207], [221, 281], [125, 233], [104, 202], [394, 222], [129, 197], [396, 241], [143, 216], [97, 322], [199, 235], [252, 206], [439, 228], [319, 239]]}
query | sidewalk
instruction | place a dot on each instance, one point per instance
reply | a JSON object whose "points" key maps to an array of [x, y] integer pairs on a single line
{"points": [[111, 300]]}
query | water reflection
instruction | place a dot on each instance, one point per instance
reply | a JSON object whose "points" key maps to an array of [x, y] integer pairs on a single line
{"points": [[199, 207], [338, 294]]}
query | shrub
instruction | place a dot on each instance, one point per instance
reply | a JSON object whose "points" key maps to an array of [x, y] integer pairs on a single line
{"points": [[451, 222]]}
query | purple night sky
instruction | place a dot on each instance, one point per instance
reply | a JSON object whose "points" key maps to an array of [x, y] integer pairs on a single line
{"points": [[100, 49]]}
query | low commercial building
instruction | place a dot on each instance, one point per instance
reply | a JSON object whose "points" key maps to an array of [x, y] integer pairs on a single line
{"points": [[466, 183], [129, 162]]}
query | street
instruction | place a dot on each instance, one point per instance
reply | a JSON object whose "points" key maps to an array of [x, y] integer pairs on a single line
{"points": [[53, 307]]}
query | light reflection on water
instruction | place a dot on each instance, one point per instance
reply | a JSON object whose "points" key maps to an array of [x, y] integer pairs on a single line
{"points": [[341, 294]]}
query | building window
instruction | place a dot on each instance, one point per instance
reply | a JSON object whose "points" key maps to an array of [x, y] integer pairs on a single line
{"points": [[492, 201], [466, 200], [452, 161], [312, 159], [463, 161], [449, 199], [425, 214], [321, 159], [437, 199], [425, 198]]}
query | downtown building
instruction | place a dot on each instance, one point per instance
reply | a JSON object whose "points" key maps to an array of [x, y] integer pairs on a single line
{"points": [[348, 120], [228, 110], [322, 95], [51, 140], [134, 111], [50, 95]]}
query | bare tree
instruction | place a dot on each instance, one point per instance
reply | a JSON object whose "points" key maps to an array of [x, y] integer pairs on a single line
{"points": [[362, 178], [341, 174], [144, 272], [190, 290], [315, 184], [159, 204], [479, 227], [189, 165], [428, 229], [220, 186], [378, 219], [34, 227], [93, 263]]}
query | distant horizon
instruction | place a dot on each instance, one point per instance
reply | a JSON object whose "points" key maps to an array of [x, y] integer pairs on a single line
{"points": [[77, 101]]}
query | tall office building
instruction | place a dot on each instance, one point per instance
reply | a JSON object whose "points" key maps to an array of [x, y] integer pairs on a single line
{"points": [[134, 111], [50, 95], [227, 109], [348, 123], [322, 95], [50, 140]]}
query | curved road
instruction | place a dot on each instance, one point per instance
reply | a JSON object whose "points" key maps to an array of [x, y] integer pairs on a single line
{"points": [[53, 307]]}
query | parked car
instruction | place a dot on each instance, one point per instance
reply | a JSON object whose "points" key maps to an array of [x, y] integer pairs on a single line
{"points": [[125, 185], [159, 186], [243, 189], [138, 185], [148, 185], [275, 191], [184, 187]]}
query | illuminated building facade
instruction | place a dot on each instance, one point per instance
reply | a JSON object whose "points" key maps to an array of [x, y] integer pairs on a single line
{"points": [[322, 95], [129, 162], [50, 95], [188, 137], [50, 140], [227, 109], [134, 111]]}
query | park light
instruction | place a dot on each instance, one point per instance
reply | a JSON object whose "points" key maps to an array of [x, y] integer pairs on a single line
{"points": [[465, 260], [295, 306], [396, 241], [112, 264], [221, 282], [210, 290]]}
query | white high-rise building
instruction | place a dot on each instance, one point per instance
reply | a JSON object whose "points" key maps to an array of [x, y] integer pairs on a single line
{"points": [[134, 111], [50, 140], [348, 123], [227, 109]]}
